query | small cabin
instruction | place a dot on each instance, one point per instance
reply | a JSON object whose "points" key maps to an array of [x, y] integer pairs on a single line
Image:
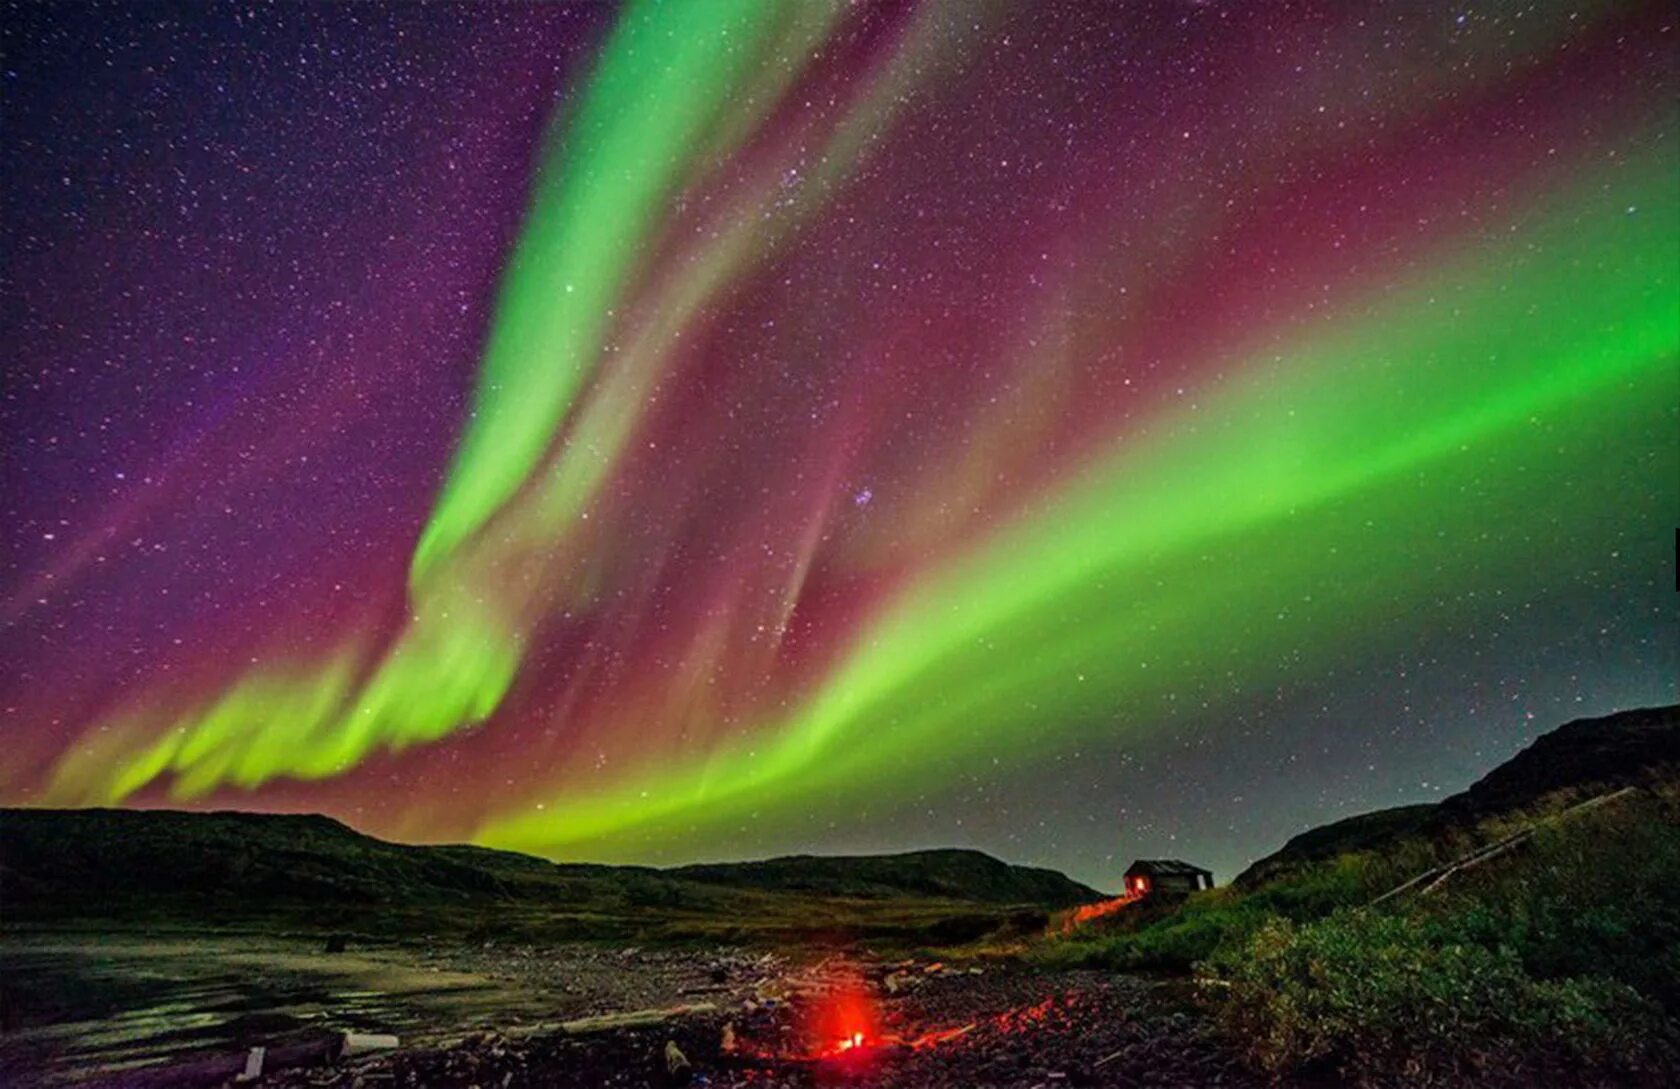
{"points": [[1148, 876]]}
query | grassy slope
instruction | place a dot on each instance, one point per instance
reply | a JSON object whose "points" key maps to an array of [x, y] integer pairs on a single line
{"points": [[1554, 959]]}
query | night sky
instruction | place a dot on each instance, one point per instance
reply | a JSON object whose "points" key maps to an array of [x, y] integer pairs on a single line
{"points": [[713, 429]]}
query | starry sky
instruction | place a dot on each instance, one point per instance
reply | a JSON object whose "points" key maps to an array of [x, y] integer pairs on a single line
{"points": [[720, 428]]}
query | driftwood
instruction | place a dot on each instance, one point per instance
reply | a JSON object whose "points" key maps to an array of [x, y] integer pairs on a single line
{"points": [[1106, 1059], [1433, 878], [365, 1043], [583, 1026], [607, 1022]]}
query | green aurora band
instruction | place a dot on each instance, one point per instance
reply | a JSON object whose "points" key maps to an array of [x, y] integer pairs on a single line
{"points": [[1290, 514], [1295, 497]]}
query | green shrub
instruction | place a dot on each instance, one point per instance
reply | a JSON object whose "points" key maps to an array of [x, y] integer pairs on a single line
{"points": [[1375, 997], [1599, 898], [1555, 963]]}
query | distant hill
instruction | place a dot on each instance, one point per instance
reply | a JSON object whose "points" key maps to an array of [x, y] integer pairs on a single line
{"points": [[1573, 762], [49, 854], [111, 862], [944, 874]]}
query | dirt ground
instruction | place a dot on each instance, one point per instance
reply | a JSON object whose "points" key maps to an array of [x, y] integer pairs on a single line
{"points": [[177, 1014]]}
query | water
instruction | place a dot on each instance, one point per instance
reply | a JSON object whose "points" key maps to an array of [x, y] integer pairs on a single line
{"points": [[73, 1009]]}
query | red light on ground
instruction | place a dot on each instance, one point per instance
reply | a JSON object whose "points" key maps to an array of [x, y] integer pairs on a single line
{"points": [[844, 1023], [1087, 912]]}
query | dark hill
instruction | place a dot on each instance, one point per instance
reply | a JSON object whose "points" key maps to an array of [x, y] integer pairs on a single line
{"points": [[944, 874], [1571, 763], [74, 854], [246, 861], [1584, 757], [1366, 832]]}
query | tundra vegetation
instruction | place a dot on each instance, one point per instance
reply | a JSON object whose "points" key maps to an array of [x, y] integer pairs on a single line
{"points": [[1558, 958]]}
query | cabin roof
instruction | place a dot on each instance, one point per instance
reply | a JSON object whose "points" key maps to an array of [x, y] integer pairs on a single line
{"points": [[1162, 867]]}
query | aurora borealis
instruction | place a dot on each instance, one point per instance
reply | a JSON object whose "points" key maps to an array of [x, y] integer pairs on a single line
{"points": [[715, 428]]}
